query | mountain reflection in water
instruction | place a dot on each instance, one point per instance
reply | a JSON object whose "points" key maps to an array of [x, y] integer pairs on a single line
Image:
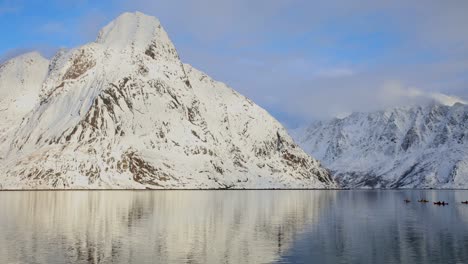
{"points": [[233, 227], [153, 226], [372, 226]]}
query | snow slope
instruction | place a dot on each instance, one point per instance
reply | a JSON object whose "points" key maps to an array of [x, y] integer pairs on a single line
{"points": [[20, 81], [125, 112], [414, 147]]}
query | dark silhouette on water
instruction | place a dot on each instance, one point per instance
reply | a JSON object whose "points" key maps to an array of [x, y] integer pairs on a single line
{"points": [[465, 202], [443, 203], [423, 201], [407, 201]]}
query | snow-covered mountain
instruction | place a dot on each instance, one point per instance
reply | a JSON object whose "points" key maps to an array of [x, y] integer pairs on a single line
{"points": [[20, 82], [125, 112], [413, 147]]}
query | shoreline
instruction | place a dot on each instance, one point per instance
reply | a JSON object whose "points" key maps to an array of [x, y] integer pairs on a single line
{"points": [[231, 189]]}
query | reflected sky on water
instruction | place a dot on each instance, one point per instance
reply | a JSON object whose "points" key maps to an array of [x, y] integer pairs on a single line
{"points": [[232, 227]]}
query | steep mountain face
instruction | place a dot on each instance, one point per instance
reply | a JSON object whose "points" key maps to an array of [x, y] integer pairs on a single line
{"points": [[124, 112], [414, 147], [20, 81]]}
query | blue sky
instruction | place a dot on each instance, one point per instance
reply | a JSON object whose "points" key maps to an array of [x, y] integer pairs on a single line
{"points": [[301, 60]]}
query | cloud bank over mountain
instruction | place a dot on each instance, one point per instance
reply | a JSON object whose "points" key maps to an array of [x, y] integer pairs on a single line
{"points": [[299, 59]]}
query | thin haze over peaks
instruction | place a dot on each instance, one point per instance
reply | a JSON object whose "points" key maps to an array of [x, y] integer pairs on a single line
{"points": [[301, 60]]}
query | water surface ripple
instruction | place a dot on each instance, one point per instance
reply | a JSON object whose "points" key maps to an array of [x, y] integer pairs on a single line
{"points": [[233, 227]]}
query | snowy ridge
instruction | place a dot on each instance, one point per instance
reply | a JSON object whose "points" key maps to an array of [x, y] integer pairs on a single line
{"points": [[124, 112], [414, 147], [20, 82]]}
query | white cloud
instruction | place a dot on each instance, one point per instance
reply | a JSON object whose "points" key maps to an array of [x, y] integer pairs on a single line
{"points": [[447, 99], [394, 93], [283, 55]]}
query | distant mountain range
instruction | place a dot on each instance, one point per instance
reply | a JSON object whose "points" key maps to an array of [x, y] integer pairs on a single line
{"points": [[412, 147], [125, 112]]}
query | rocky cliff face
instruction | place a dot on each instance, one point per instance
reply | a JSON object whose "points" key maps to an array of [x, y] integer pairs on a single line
{"points": [[125, 112], [413, 147]]}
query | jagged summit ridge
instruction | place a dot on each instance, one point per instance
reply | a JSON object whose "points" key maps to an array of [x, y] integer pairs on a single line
{"points": [[78, 76], [411, 147], [125, 112]]}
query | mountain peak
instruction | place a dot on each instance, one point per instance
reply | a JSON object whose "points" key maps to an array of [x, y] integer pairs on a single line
{"points": [[135, 30], [422, 146], [27, 69], [29, 56], [124, 112]]}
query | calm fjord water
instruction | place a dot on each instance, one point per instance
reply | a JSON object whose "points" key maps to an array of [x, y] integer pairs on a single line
{"points": [[232, 227]]}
